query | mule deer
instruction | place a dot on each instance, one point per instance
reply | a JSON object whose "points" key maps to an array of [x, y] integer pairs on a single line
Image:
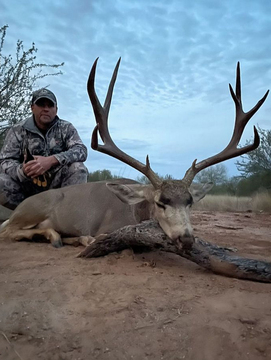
{"points": [[79, 213]]}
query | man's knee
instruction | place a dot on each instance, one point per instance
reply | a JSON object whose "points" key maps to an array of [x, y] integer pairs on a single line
{"points": [[78, 167], [76, 173]]}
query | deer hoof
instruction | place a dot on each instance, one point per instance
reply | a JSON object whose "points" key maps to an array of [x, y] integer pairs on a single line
{"points": [[57, 243]]}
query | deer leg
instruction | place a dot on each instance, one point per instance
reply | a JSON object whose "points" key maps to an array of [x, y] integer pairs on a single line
{"points": [[71, 241], [76, 241], [49, 234], [86, 240]]}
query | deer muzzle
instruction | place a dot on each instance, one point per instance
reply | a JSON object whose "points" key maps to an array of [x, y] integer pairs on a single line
{"points": [[185, 242]]}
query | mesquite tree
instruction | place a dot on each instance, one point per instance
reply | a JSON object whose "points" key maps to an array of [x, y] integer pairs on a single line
{"points": [[255, 167], [259, 160], [217, 174]]}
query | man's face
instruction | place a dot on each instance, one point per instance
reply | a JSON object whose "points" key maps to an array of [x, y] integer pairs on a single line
{"points": [[44, 112]]}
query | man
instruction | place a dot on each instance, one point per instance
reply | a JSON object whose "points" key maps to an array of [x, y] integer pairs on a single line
{"points": [[42, 152]]}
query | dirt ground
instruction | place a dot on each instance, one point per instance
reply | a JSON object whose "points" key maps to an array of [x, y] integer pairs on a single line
{"points": [[54, 306]]}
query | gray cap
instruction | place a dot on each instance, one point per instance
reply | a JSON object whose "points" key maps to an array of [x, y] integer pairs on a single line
{"points": [[43, 94]]}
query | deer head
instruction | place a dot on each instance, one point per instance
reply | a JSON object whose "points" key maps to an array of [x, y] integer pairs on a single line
{"points": [[170, 199]]}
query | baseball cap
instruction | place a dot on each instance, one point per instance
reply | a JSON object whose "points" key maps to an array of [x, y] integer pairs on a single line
{"points": [[43, 94]]}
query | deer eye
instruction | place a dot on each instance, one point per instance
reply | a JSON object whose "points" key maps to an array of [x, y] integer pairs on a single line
{"points": [[161, 205], [164, 200], [190, 202]]}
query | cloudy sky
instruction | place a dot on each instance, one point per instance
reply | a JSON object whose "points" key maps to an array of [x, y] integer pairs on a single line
{"points": [[171, 99]]}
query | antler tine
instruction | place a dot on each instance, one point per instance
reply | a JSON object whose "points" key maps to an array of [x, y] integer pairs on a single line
{"points": [[101, 115], [231, 150]]}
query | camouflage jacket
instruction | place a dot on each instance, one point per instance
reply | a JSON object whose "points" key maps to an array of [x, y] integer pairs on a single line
{"points": [[61, 140]]}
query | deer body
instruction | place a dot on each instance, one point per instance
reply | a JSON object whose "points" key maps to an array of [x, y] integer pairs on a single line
{"points": [[80, 213], [73, 211]]}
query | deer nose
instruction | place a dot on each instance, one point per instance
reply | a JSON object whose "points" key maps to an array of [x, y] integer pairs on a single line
{"points": [[186, 242]]}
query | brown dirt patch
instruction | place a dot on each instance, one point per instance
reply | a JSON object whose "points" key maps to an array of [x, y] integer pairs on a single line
{"points": [[54, 306]]}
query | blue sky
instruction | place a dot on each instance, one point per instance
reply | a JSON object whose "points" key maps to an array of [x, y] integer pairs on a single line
{"points": [[171, 99]]}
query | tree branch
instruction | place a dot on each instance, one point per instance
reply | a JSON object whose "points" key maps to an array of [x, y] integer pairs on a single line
{"points": [[148, 235]]}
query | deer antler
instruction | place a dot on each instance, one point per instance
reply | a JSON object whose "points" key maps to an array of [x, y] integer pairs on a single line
{"points": [[231, 150], [101, 115]]}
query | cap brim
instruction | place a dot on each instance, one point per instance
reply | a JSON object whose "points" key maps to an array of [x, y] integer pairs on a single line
{"points": [[45, 97]]}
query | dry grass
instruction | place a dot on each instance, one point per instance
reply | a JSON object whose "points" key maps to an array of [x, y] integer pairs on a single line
{"points": [[256, 203], [262, 202]]}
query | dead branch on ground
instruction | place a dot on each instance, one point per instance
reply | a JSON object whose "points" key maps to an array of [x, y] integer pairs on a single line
{"points": [[148, 235]]}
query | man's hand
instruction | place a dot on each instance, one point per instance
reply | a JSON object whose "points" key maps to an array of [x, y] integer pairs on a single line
{"points": [[39, 165]]}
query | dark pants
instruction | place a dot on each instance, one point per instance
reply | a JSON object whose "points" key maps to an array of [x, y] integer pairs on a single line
{"points": [[12, 192]]}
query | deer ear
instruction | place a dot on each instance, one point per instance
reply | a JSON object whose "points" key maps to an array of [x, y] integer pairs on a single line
{"points": [[129, 194], [198, 191]]}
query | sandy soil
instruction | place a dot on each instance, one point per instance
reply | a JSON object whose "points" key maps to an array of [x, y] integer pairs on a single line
{"points": [[55, 306]]}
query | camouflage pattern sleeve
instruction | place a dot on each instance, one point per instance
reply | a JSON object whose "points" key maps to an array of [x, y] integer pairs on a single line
{"points": [[11, 155], [76, 150]]}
